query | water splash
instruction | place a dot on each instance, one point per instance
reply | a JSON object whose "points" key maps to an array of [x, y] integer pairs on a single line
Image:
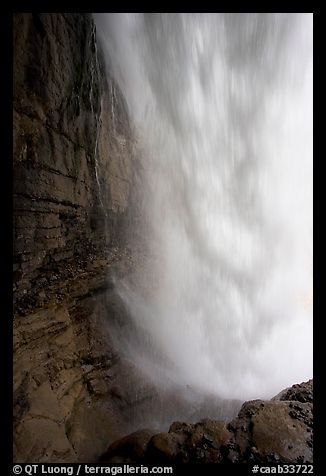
{"points": [[113, 107], [222, 104], [97, 118]]}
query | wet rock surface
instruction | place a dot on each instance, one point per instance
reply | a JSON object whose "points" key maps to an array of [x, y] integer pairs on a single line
{"points": [[265, 431], [302, 392], [74, 160], [74, 167]]}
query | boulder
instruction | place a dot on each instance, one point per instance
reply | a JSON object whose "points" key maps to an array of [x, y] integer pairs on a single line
{"points": [[265, 431]]}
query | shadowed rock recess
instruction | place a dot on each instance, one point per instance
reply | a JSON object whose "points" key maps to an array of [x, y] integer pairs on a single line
{"points": [[77, 199]]}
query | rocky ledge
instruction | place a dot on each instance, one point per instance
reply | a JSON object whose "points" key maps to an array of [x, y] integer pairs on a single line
{"points": [[279, 430]]}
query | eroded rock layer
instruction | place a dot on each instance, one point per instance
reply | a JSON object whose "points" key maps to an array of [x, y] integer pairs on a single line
{"points": [[73, 156], [74, 169]]}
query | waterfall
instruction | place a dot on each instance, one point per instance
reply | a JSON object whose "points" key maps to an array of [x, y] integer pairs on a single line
{"points": [[222, 106], [97, 118]]}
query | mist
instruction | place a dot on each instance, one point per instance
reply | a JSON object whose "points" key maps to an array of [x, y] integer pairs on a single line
{"points": [[222, 111]]}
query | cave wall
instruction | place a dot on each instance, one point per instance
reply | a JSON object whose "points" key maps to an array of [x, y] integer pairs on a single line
{"points": [[74, 165]]}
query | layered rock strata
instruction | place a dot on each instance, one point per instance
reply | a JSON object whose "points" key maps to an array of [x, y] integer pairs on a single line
{"points": [[74, 166]]}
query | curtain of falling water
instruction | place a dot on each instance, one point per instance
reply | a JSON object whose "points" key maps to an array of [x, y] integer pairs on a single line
{"points": [[222, 105]]}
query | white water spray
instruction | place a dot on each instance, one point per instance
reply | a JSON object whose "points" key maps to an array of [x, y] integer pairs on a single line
{"points": [[222, 105]]}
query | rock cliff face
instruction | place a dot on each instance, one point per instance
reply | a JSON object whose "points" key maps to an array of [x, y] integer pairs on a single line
{"points": [[74, 169], [73, 155], [273, 431]]}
